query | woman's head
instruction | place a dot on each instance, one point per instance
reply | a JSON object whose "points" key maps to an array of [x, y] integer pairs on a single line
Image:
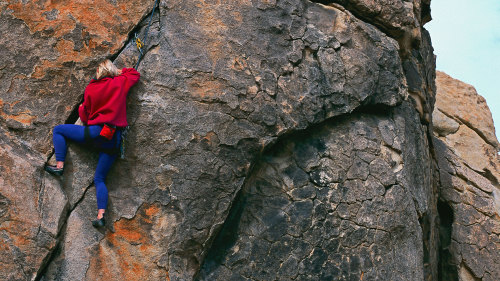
{"points": [[107, 68]]}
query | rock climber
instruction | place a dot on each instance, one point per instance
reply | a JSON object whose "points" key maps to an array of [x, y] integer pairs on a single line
{"points": [[103, 112]]}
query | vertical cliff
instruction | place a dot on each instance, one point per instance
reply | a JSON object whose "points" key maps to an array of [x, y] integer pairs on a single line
{"points": [[270, 140]]}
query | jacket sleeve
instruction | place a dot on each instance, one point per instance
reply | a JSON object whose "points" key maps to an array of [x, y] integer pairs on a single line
{"points": [[83, 111], [131, 75]]}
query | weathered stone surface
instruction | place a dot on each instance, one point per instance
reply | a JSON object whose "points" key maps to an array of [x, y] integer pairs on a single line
{"points": [[221, 82], [73, 255], [466, 151], [419, 67], [444, 125], [461, 102], [473, 135], [224, 109], [322, 222], [401, 19], [32, 211], [49, 51], [469, 243]]}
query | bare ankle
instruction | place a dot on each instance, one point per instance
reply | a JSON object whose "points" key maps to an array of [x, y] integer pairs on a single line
{"points": [[100, 213]]}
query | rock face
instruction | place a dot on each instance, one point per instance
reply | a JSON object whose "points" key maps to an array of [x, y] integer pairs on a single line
{"points": [[467, 154], [336, 202], [32, 211], [270, 140], [463, 121], [49, 51]]}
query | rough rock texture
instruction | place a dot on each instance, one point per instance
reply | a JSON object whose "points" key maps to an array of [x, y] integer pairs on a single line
{"points": [[463, 121], [340, 201], [32, 211], [49, 50], [401, 19], [466, 149], [270, 140]]}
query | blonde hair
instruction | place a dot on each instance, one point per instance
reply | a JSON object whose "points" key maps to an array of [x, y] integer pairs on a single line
{"points": [[107, 68]]}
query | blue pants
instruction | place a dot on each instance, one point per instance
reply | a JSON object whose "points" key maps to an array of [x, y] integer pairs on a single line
{"points": [[75, 133]]}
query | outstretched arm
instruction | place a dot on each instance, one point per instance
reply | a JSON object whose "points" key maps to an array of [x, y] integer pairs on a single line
{"points": [[131, 75]]}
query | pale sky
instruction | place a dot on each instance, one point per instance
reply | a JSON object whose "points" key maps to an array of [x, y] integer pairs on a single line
{"points": [[466, 40]]}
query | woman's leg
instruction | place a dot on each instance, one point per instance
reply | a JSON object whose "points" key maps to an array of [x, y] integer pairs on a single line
{"points": [[63, 132], [103, 166]]}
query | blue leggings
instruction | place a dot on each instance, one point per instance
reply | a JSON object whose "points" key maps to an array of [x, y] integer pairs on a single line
{"points": [[75, 133]]}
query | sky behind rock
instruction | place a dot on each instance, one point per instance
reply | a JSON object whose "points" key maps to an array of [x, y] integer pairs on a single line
{"points": [[466, 40]]}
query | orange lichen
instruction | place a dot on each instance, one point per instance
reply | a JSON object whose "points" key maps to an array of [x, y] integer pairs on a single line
{"points": [[104, 25], [209, 137], [152, 210], [22, 117], [130, 232], [130, 251], [239, 63]]}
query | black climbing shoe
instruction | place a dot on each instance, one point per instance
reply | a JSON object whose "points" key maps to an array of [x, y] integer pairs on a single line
{"points": [[54, 170], [99, 223]]}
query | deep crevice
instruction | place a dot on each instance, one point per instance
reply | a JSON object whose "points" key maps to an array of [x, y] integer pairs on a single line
{"points": [[131, 34], [426, 225], [71, 119], [447, 270], [50, 258], [227, 236], [59, 238], [74, 115], [369, 18]]}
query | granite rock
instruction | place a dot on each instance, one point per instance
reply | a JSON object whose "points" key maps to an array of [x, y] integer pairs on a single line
{"points": [[49, 52], [286, 125], [33, 210], [473, 135], [322, 222], [467, 158]]}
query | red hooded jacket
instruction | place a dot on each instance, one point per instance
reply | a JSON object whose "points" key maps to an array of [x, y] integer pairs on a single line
{"points": [[105, 99]]}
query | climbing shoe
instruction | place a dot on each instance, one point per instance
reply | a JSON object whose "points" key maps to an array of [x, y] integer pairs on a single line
{"points": [[99, 223], [54, 170]]}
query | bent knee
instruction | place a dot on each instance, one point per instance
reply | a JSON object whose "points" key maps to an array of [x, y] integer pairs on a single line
{"points": [[57, 129]]}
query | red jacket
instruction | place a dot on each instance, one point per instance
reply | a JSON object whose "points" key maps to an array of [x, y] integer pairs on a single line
{"points": [[105, 99]]}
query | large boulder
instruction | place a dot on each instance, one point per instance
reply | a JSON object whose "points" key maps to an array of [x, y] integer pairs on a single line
{"points": [[469, 197], [293, 116]]}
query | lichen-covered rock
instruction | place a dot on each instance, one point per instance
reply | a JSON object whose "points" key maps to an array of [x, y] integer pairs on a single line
{"points": [[221, 83], [49, 52], [33, 209]]}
